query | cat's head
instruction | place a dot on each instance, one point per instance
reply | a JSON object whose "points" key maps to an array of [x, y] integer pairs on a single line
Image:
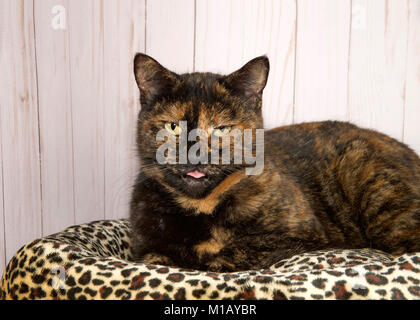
{"points": [[217, 104]]}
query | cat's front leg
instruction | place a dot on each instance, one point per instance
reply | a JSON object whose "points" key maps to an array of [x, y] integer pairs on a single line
{"points": [[214, 257], [221, 264], [156, 258]]}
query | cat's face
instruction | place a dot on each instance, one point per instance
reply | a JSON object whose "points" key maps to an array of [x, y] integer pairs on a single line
{"points": [[218, 105]]}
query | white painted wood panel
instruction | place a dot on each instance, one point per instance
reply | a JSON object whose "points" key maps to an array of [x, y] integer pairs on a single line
{"points": [[412, 92], [323, 31], [69, 102], [86, 30], [19, 125], [55, 118], [2, 237], [170, 33], [377, 66], [124, 36], [230, 33]]}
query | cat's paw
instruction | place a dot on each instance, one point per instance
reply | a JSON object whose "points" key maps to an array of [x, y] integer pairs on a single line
{"points": [[156, 258], [221, 264]]}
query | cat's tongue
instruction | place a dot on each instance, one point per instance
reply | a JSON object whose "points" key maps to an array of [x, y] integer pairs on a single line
{"points": [[196, 174]]}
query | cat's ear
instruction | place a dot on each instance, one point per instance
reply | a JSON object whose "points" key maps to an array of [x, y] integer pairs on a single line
{"points": [[250, 80], [152, 78]]}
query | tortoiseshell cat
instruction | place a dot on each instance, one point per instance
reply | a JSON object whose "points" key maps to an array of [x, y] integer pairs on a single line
{"points": [[324, 184]]}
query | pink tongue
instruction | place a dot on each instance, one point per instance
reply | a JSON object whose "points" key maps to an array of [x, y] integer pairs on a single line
{"points": [[196, 174]]}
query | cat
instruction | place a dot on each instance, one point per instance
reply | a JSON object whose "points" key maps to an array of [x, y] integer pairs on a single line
{"points": [[324, 184]]}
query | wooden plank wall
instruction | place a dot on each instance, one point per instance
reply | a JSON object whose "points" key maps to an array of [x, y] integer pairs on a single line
{"points": [[378, 65], [124, 32], [229, 33], [321, 82], [20, 126], [411, 132], [55, 120], [68, 100]]}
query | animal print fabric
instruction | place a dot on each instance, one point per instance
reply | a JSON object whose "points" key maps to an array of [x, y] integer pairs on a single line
{"points": [[92, 261]]}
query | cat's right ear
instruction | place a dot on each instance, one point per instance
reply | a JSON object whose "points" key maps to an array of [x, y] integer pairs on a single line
{"points": [[152, 78]]}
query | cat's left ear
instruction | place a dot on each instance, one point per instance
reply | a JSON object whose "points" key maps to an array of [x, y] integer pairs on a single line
{"points": [[152, 78], [250, 80]]}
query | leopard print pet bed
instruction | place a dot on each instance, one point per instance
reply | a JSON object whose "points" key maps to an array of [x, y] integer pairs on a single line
{"points": [[92, 261]]}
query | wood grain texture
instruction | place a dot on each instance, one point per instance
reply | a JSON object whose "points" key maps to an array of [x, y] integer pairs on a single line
{"points": [[230, 33], [55, 119], [69, 102], [412, 91], [86, 28], [170, 33], [377, 66], [124, 36], [323, 31], [2, 236], [19, 125]]}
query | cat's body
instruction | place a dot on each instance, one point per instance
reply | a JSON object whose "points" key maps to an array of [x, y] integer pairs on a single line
{"points": [[324, 185]]}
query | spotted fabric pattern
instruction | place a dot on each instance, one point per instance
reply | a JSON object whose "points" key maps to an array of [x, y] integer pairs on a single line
{"points": [[93, 261]]}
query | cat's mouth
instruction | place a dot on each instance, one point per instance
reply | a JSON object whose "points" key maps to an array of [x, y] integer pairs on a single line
{"points": [[196, 174], [194, 180], [195, 177]]}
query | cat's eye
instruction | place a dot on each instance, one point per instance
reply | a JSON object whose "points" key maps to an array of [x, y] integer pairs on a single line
{"points": [[221, 131], [173, 128]]}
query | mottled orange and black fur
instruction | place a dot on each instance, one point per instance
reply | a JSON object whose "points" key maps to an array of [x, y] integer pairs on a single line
{"points": [[324, 185]]}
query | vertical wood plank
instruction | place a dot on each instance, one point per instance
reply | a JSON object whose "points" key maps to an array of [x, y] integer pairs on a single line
{"points": [[87, 93], [377, 65], [124, 36], [170, 33], [55, 119], [19, 116], [230, 33], [412, 94], [323, 31], [2, 237]]}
